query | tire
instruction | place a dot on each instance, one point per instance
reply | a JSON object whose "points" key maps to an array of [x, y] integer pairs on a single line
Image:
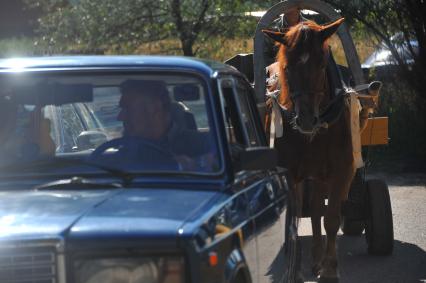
{"points": [[352, 227], [240, 278], [353, 218], [379, 224]]}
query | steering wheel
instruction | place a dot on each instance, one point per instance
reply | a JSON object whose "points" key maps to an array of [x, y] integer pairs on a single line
{"points": [[160, 155]]}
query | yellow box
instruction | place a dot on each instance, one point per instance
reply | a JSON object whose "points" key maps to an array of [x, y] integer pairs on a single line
{"points": [[376, 132]]}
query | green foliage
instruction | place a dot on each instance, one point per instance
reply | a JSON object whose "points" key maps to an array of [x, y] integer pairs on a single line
{"points": [[18, 47], [123, 25], [406, 150], [403, 97], [407, 119], [384, 20], [47, 6]]}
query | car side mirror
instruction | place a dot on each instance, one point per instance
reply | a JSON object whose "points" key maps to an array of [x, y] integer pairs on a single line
{"points": [[90, 140], [255, 158]]}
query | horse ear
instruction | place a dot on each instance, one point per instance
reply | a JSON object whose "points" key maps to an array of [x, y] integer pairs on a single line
{"points": [[328, 30], [276, 36]]}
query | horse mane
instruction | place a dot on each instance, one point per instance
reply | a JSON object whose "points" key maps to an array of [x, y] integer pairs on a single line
{"points": [[301, 41]]}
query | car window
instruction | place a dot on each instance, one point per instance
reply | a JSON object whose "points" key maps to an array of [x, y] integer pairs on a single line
{"points": [[72, 126], [132, 122], [234, 130], [243, 93], [105, 108], [238, 115]]}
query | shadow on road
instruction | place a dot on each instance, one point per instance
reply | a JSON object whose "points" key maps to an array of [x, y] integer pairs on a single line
{"points": [[400, 179], [406, 264]]}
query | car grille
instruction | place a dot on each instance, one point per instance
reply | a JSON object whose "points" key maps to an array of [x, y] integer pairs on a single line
{"points": [[28, 266]]}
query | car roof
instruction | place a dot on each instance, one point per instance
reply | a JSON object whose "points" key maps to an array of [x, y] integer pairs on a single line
{"points": [[208, 67]]}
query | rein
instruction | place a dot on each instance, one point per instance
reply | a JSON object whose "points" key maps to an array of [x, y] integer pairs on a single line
{"points": [[324, 119]]}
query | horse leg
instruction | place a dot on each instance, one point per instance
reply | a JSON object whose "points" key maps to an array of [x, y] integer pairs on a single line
{"points": [[331, 224], [317, 209], [339, 191]]}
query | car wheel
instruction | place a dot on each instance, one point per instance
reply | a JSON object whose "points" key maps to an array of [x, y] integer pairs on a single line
{"points": [[379, 224], [240, 278]]}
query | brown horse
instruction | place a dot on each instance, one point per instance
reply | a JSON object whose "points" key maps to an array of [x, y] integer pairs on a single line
{"points": [[311, 148]]}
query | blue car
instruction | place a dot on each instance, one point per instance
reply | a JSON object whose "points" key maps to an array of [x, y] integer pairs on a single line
{"points": [[138, 169]]}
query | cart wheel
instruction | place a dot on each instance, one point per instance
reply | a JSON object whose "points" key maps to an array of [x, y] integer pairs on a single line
{"points": [[353, 212], [352, 227], [379, 224]]}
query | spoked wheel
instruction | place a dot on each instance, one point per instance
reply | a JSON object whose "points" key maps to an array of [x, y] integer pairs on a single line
{"points": [[379, 223]]}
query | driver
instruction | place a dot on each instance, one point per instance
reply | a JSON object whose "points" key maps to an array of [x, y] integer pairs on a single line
{"points": [[146, 114], [145, 110]]}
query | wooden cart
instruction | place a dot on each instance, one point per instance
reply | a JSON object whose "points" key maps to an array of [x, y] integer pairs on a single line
{"points": [[368, 207]]}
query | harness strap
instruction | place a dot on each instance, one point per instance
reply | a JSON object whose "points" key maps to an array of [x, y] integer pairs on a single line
{"points": [[334, 109], [276, 127]]}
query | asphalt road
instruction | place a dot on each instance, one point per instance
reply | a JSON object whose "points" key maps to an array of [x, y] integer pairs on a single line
{"points": [[408, 261]]}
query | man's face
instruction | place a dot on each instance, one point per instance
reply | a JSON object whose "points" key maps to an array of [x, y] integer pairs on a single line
{"points": [[293, 16], [142, 116]]}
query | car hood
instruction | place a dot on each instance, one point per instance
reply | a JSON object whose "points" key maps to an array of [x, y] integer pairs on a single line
{"points": [[79, 214]]}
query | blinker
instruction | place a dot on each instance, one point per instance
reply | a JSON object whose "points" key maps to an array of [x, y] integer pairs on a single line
{"points": [[213, 259]]}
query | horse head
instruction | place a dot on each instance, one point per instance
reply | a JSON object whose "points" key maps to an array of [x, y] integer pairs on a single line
{"points": [[303, 58]]}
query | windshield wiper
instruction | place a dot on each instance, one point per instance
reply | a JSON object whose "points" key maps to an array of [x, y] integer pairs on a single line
{"points": [[56, 162], [77, 183]]}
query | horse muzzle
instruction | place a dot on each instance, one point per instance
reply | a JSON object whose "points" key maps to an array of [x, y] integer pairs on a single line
{"points": [[307, 126]]}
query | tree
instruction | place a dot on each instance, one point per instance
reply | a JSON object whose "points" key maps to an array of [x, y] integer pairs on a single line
{"points": [[384, 20], [125, 24]]}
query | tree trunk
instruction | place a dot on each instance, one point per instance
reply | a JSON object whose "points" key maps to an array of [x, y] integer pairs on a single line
{"points": [[187, 47]]}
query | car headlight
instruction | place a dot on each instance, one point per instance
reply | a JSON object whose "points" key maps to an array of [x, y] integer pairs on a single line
{"points": [[129, 270]]}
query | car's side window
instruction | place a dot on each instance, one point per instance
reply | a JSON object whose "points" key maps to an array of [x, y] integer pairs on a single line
{"points": [[238, 116], [234, 131], [247, 114]]}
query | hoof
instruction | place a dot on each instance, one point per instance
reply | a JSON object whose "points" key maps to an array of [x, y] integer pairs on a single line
{"points": [[328, 280]]}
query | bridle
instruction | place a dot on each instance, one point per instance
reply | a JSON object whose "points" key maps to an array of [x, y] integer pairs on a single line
{"points": [[325, 119], [293, 94]]}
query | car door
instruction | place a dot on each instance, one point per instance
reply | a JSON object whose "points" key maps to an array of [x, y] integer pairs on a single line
{"points": [[243, 181], [264, 189], [267, 199]]}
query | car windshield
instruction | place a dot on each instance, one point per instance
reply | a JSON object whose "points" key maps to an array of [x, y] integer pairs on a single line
{"points": [[68, 123]]}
